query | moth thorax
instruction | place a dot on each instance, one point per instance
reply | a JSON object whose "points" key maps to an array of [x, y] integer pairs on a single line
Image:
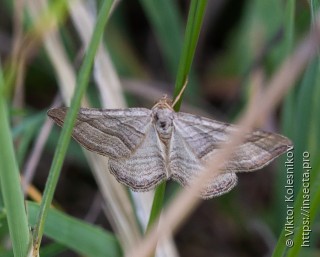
{"points": [[162, 118]]}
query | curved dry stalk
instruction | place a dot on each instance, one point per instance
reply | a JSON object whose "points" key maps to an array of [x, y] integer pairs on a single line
{"points": [[187, 200]]}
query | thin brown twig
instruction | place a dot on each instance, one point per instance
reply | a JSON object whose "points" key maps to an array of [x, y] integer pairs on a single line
{"points": [[187, 200]]}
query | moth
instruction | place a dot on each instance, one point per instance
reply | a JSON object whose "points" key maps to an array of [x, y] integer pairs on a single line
{"points": [[146, 146]]}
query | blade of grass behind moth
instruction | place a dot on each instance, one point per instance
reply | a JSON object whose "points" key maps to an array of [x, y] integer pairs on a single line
{"points": [[82, 82], [195, 18], [10, 184]]}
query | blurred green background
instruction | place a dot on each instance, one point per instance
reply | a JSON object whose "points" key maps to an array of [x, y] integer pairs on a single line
{"points": [[144, 40]]}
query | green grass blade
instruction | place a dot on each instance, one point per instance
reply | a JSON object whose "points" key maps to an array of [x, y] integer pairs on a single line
{"points": [[195, 18], [82, 82], [77, 235], [157, 204], [10, 185]]}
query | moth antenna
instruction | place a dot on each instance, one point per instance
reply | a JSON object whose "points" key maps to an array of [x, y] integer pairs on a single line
{"points": [[180, 93]]}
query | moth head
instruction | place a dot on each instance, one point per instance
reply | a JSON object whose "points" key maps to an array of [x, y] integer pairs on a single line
{"points": [[162, 118]]}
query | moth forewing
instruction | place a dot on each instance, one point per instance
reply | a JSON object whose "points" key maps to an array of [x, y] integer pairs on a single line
{"points": [[113, 133], [205, 137]]}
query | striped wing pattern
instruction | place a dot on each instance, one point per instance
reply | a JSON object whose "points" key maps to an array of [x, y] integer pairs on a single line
{"points": [[127, 137], [140, 160], [197, 139]]}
